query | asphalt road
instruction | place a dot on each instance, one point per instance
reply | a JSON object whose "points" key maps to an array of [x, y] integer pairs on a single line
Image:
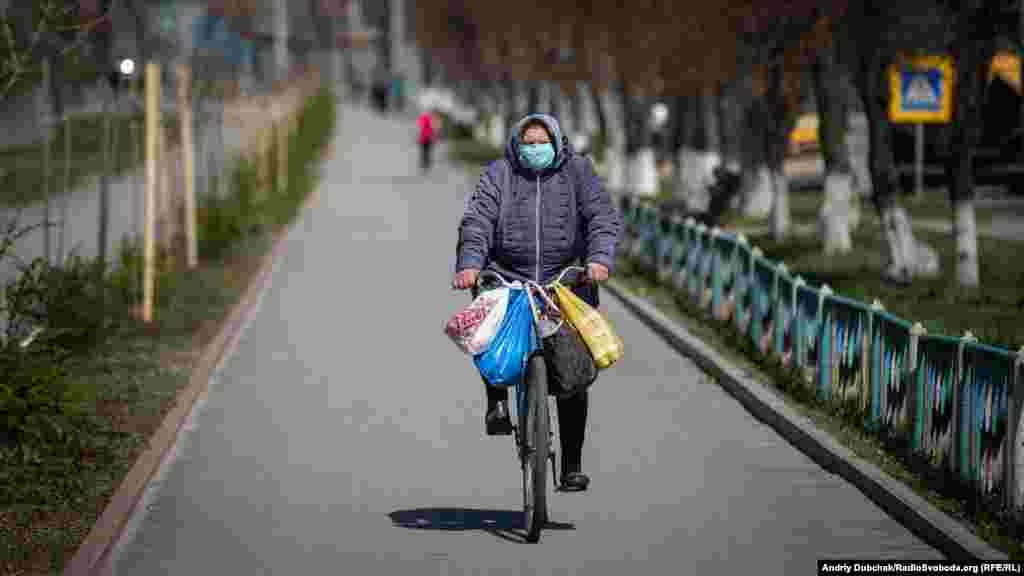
{"points": [[344, 433]]}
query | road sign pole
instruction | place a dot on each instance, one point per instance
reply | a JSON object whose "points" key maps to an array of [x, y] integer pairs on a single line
{"points": [[921, 91], [919, 160]]}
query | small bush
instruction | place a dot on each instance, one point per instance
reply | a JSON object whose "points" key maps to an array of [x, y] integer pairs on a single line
{"points": [[70, 300], [219, 226], [37, 402], [125, 279], [474, 152]]}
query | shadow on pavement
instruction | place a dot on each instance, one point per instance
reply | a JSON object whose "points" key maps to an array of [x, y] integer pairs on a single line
{"points": [[505, 524]]}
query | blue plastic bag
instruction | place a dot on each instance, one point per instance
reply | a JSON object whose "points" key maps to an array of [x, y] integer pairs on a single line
{"points": [[504, 362]]}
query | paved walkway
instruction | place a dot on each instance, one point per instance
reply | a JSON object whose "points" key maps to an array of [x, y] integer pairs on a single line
{"points": [[344, 435]]}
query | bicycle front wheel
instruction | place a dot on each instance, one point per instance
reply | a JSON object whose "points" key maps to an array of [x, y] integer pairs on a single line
{"points": [[534, 424]]}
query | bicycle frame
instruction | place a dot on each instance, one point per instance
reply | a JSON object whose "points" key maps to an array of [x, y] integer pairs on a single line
{"points": [[534, 457], [518, 407]]}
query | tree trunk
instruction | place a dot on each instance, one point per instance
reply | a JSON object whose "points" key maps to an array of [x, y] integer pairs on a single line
{"points": [[555, 100], [580, 138], [903, 256], [512, 112], [834, 216], [757, 175], [642, 167], [701, 150], [597, 104], [858, 146], [725, 127], [576, 109], [615, 138], [730, 134], [975, 34], [680, 121], [533, 97], [628, 118], [779, 123], [543, 101], [966, 230], [688, 176], [498, 120]]}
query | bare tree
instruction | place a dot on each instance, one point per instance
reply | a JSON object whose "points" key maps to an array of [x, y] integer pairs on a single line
{"points": [[833, 123], [878, 31], [976, 26]]}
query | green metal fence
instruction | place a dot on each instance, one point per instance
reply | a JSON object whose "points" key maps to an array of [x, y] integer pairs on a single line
{"points": [[952, 403]]}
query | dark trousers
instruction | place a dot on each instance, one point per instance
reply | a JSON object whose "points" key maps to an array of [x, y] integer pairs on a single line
{"points": [[425, 150], [572, 424]]}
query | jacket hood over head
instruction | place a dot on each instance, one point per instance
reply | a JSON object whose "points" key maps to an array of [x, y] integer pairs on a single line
{"points": [[563, 150]]}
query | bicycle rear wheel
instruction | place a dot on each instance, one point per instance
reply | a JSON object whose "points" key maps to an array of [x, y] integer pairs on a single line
{"points": [[534, 425]]}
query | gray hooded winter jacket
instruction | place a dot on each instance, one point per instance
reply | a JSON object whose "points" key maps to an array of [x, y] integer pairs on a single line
{"points": [[530, 226]]}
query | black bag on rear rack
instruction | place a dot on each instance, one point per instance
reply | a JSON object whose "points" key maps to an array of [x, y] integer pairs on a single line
{"points": [[571, 367]]}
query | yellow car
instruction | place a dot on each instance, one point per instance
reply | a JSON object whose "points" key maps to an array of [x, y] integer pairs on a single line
{"points": [[804, 136]]}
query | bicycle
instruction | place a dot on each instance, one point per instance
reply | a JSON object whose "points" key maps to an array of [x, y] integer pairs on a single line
{"points": [[532, 418]]}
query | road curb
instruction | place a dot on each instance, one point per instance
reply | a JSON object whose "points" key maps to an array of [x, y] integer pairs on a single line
{"points": [[917, 514], [93, 553]]}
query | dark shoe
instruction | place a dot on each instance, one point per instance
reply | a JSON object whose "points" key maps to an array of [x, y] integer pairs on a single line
{"points": [[574, 482], [497, 421]]}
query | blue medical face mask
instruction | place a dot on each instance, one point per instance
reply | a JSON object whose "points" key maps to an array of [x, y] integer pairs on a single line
{"points": [[537, 156]]}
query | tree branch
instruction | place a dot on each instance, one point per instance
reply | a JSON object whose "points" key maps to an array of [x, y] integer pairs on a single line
{"points": [[19, 64]]}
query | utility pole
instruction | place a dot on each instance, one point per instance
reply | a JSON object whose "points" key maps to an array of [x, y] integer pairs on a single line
{"points": [[281, 39]]}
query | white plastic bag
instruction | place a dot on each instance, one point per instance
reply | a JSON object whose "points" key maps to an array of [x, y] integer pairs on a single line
{"points": [[473, 328]]}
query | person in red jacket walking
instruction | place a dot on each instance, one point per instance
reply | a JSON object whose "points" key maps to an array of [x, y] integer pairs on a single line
{"points": [[428, 135]]}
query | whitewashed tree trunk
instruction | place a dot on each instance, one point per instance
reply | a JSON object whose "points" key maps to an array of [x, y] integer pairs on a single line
{"points": [[686, 175], [903, 256], [616, 161], [966, 230], [588, 120], [522, 102], [694, 173], [497, 130], [585, 125], [860, 186], [757, 191], [616, 153], [544, 98], [564, 111], [693, 177], [780, 217], [643, 172], [834, 216]]}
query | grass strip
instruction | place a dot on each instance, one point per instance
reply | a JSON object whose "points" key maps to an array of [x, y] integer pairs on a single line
{"points": [[52, 491]]}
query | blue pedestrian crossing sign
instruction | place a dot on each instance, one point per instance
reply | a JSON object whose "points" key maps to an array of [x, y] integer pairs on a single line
{"points": [[921, 90]]}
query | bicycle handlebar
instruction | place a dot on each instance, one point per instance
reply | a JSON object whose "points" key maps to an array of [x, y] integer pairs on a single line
{"points": [[501, 279]]}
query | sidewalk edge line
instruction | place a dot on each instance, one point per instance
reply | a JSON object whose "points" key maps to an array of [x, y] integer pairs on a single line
{"points": [[917, 514], [92, 553]]}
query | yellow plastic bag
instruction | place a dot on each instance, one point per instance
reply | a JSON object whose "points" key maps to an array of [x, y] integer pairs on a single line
{"points": [[604, 344]]}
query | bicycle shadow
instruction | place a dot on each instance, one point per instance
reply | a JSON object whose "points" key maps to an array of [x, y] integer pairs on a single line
{"points": [[505, 524]]}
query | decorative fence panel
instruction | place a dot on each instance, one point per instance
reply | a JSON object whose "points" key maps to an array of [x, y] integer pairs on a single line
{"points": [[952, 403]]}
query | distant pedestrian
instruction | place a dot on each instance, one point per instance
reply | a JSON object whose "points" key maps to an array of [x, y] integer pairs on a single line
{"points": [[428, 135]]}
